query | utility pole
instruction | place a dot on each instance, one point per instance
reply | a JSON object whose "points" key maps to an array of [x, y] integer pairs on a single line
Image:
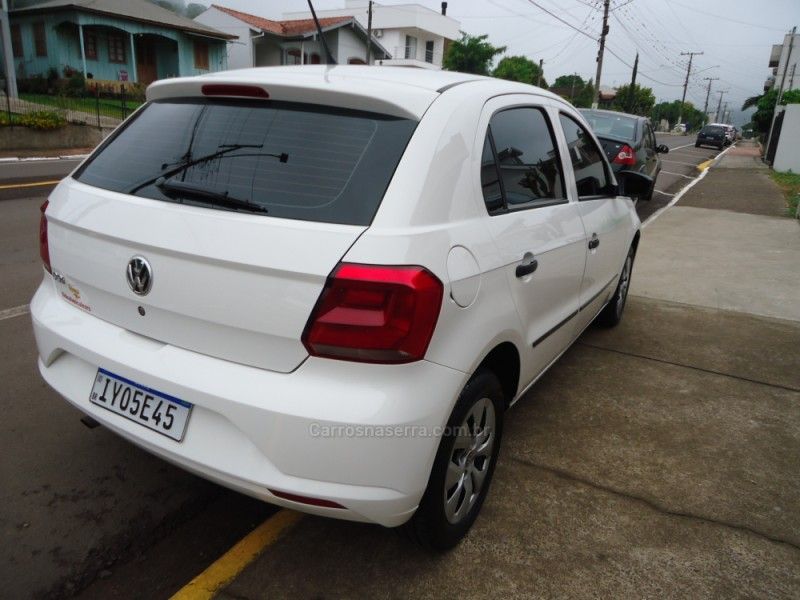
{"points": [[369, 32], [725, 113], [708, 93], [631, 90], [780, 89], [572, 93], [719, 105], [541, 70], [691, 55], [603, 34]]}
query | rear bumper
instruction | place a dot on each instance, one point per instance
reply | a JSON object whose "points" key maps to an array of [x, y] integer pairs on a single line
{"points": [[363, 436]]}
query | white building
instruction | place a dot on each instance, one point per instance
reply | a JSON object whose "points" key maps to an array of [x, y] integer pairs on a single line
{"points": [[781, 62], [269, 42], [414, 35]]}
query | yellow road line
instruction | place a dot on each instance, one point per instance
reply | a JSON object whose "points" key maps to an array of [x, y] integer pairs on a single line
{"points": [[230, 564], [15, 186], [704, 165]]}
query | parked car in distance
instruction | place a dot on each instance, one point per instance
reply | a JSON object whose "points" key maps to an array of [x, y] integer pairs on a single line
{"points": [[629, 142], [730, 132], [324, 286], [711, 135]]}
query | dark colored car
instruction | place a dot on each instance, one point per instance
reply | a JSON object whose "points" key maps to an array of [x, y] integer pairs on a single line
{"points": [[629, 142], [711, 135]]}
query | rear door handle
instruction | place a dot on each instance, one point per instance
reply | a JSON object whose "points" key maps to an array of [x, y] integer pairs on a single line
{"points": [[594, 242], [528, 265]]}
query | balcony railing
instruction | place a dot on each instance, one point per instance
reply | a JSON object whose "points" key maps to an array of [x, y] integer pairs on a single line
{"points": [[418, 52]]}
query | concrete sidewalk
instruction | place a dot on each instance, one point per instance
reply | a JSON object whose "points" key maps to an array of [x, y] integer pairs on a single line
{"points": [[658, 459], [728, 244]]}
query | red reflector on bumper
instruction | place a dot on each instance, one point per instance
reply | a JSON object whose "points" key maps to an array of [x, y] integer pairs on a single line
{"points": [[306, 500]]}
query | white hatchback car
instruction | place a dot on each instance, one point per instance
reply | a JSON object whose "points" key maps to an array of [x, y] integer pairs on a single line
{"points": [[324, 286]]}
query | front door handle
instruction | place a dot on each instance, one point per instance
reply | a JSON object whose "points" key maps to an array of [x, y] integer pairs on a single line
{"points": [[594, 242], [528, 265]]}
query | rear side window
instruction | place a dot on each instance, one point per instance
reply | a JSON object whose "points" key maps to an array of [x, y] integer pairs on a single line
{"points": [[591, 173], [520, 166], [286, 160]]}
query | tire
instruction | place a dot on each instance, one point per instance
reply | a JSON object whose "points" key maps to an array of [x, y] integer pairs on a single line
{"points": [[611, 315], [696, 145], [439, 524]]}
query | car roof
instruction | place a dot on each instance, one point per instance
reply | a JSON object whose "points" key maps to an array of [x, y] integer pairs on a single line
{"points": [[400, 91], [611, 113]]}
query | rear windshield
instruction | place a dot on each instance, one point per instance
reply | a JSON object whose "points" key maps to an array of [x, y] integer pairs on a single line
{"points": [[616, 126], [296, 161], [713, 130]]}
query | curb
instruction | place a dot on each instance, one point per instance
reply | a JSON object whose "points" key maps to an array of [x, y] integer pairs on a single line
{"points": [[686, 188], [15, 159]]}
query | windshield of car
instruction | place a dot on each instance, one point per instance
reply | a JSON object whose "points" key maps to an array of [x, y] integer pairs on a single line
{"points": [[289, 160], [713, 129], [616, 126]]}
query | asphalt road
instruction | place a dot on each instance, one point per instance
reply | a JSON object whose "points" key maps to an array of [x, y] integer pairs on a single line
{"points": [[83, 512]]}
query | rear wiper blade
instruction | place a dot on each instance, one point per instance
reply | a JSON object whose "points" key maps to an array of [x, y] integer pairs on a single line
{"points": [[170, 170], [180, 188]]}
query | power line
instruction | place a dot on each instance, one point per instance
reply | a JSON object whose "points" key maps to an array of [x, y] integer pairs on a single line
{"points": [[555, 16]]}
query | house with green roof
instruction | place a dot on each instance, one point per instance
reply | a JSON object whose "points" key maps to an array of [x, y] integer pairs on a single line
{"points": [[112, 41]]}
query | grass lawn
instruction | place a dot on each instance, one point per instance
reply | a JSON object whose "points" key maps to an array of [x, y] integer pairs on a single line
{"points": [[790, 184], [108, 107]]}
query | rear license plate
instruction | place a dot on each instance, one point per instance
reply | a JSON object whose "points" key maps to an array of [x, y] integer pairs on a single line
{"points": [[143, 405]]}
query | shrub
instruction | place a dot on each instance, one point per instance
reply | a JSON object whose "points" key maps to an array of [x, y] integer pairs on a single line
{"points": [[44, 120]]}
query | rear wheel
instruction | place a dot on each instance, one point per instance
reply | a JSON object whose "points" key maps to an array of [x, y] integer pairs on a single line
{"points": [[696, 144], [464, 465], [611, 315]]}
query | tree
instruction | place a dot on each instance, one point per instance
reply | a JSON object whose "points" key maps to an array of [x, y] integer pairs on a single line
{"points": [[518, 68], [585, 97], [471, 54], [193, 9], [765, 107], [567, 81], [670, 111], [641, 104]]}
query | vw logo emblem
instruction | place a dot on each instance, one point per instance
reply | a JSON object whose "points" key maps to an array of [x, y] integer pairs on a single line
{"points": [[140, 275]]}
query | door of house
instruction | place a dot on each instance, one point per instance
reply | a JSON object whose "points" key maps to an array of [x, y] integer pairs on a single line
{"points": [[146, 60]]}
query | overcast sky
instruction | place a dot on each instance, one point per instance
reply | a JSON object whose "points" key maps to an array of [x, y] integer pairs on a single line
{"points": [[736, 36]]}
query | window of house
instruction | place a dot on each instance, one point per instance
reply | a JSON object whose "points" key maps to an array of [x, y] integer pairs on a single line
{"points": [[429, 51], [90, 45], [200, 55], [520, 167], [293, 57], [411, 46], [116, 48], [40, 38], [16, 41], [591, 175], [315, 60]]}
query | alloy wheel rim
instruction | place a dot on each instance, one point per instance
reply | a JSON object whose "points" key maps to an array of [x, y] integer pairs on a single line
{"points": [[469, 461]]}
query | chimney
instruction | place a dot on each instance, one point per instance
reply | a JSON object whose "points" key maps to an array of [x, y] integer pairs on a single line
{"points": [[444, 8]]}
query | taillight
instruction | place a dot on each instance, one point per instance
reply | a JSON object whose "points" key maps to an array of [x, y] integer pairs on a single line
{"points": [[626, 156], [229, 89], [44, 246], [377, 314]]}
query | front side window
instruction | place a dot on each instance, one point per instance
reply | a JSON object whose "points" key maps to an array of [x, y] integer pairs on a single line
{"points": [[591, 170], [40, 38], [520, 167], [281, 159], [116, 49]]}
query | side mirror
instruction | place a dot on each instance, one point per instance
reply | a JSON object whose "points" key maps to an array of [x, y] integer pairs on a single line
{"points": [[662, 149], [635, 184]]}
